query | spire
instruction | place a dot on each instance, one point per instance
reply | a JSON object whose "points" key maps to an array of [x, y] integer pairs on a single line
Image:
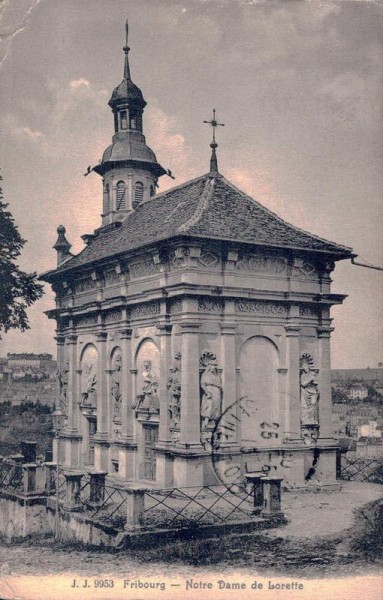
{"points": [[213, 159], [126, 50]]}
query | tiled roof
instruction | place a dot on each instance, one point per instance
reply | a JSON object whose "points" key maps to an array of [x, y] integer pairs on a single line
{"points": [[208, 207]]}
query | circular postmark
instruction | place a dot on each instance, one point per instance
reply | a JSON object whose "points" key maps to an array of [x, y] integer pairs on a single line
{"points": [[233, 458]]}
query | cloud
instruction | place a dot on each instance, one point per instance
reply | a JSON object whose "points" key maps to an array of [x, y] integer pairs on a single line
{"points": [[77, 83], [174, 153], [28, 132]]}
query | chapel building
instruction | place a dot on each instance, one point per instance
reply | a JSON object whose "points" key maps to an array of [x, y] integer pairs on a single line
{"points": [[193, 329]]}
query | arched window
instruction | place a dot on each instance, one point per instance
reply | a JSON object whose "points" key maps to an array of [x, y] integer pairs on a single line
{"points": [[138, 192], [106, 198], [120, 196], [152, 190], [123, 119]]}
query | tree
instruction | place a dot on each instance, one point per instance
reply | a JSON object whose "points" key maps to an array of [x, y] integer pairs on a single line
{"points": [[18, 289]]}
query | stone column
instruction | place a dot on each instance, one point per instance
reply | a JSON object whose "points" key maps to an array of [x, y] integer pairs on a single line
{"points": [[324, 365], [190, 387], [101, 437], [71, 437], [293, 404]]}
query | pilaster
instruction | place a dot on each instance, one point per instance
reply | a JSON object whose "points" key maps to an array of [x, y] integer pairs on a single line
{"points": [[101, 437], [190, 436], [324, 353], [230, 435], [293, 404], [165, 335]]}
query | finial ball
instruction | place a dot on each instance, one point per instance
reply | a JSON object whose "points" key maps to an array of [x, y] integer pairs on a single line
{"points": [[61, 229]]}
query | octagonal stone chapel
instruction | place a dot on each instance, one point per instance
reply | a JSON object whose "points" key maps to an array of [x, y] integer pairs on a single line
{"points": [[193, 329]]}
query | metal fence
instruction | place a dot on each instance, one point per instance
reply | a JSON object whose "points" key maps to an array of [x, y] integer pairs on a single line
{"points": [[197, 506], [360, 469], [11, 476]]}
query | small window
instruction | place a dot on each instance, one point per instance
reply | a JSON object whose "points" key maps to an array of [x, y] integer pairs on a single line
{"points": [[152, 190], [138, 192], [120, 196], [106, 198], [133, 123], [123, 119]]}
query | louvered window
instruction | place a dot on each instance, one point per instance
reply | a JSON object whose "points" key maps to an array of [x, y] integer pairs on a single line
{"points": [[138, 192], [121, 196]]}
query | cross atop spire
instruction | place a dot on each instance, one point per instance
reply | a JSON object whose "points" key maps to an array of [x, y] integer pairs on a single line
{"points": [[213, 159], [126, 50]]}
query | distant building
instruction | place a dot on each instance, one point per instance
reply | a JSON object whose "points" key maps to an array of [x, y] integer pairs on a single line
{"points": [[369, 430], [366, 375], [358, 391], [369, 448]]}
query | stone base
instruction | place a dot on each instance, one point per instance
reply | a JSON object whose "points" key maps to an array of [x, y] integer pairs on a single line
{"points": [[188, 471], [70, 449]]}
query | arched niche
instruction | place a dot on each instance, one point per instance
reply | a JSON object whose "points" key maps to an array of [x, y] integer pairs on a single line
{"points": [[88, 365], [148, 370], [258, 384]]}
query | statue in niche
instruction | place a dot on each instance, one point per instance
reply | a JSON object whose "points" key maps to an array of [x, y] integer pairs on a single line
{"points": [[148, 398], [89, 385], [174, 387], [309, 392], [116, 385], [211, 386], [63, 378]]}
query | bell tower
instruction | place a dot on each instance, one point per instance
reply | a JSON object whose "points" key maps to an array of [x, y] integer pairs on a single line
{"points": [[129, 168]]}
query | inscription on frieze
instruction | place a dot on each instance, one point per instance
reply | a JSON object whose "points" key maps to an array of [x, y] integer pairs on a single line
{"points": [[261, 308]]}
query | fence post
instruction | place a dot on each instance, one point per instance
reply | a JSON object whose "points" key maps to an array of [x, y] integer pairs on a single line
{"points": [[29, 478], [272, 497], [50, 470], [135, 507], [29, 451], [72, 499], [97, 487], [338, 463], [257, 482]]}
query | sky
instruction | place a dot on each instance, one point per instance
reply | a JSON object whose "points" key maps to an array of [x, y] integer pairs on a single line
{"points": [[298, 84]]}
